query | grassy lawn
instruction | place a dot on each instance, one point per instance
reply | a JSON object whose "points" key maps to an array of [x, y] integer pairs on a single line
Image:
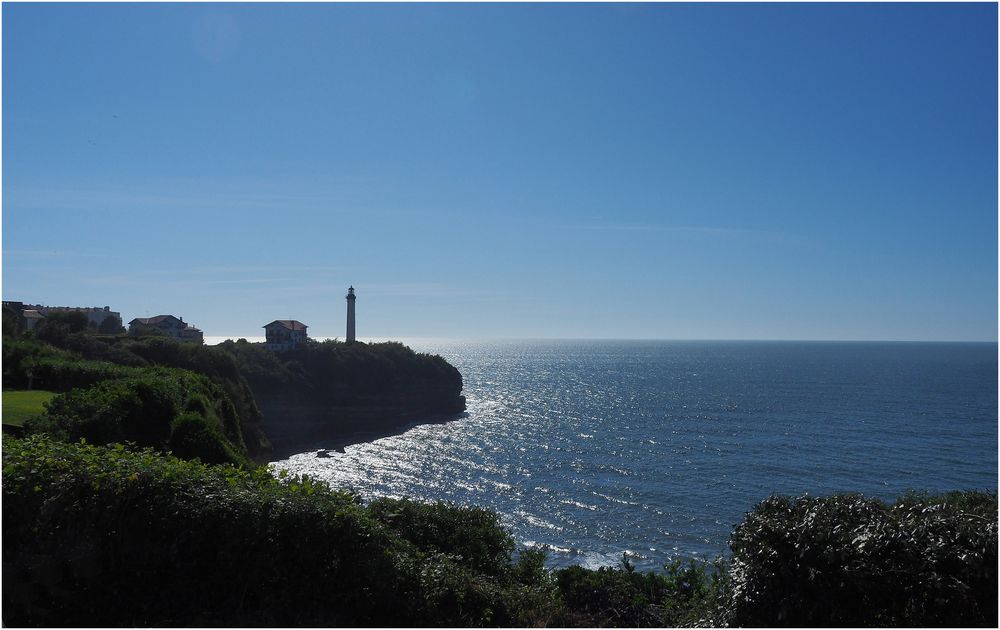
{"points": [[19, 406]]}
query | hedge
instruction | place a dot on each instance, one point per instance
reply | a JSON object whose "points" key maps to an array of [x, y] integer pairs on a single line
{"points": [[854, 561], [106, 536]]}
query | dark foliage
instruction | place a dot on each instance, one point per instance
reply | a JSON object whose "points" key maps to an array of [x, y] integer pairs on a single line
{"points": [[264, 370], [58, 325], [110, 537], [154, 407], [61, 373], [11, 322], [852, 561], [472, 535], [83, 360], [103, 348], [111, 325], [340, 373], [684, 594], [193, 436], [217, 365], [20, 357]]}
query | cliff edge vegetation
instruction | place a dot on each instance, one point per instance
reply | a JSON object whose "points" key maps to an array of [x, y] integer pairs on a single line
{"points": [[230, 403], [152, 393]]}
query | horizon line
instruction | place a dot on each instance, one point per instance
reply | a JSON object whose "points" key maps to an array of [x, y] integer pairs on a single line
{"points": [[382, 338]]}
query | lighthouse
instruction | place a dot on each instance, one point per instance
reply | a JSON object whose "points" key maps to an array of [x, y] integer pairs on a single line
{"points": [[350, 314]]}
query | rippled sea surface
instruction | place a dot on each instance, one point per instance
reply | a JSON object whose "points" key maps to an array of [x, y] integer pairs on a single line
{"points": [[656, 449]]}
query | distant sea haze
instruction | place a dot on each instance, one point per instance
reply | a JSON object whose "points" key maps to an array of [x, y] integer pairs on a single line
{"points": [[656, 449]]}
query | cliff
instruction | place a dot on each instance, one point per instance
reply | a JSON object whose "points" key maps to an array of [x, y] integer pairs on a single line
{"points": [[251, 403], [332, 394]]}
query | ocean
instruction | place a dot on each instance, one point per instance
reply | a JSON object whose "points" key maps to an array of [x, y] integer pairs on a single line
{"points": [[656, 449]]}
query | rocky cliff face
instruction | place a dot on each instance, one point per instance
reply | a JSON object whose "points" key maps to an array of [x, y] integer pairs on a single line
{"points": [[294, 425], [331, 394]]}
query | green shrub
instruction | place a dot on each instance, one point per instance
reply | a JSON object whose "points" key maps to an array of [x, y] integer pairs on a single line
{"points": [[16, 350], [137, 410], [221, 368], [93, 347], [191, 436], [82, 360], [98, 536], [145, 408], [852, 561], [58, 325], [63, 375], [684, 594], [107, 537], [51, 368], [469, 533], [11, 323], [262, 368]]}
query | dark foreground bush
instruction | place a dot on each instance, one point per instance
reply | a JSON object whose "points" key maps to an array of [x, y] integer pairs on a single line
{"points": [[852, 561], [97, 536], [107, 536], [685, 594], [470, 533]]}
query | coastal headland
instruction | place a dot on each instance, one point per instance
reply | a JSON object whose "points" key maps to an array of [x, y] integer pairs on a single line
{"points": [[246, 401], [332, 394]]}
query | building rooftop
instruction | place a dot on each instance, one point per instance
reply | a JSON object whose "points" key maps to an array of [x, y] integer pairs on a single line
{"points": [[152, 321], [290, 324]]}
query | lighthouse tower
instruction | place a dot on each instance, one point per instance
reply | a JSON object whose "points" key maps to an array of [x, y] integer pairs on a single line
{"points": [[350, 315]]}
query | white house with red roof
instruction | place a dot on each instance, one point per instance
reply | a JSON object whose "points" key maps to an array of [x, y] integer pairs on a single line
{"points": [[284, 334], [169, 325]]}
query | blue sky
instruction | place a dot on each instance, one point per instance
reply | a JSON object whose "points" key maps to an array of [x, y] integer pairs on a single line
{"points": [[611, 171]]}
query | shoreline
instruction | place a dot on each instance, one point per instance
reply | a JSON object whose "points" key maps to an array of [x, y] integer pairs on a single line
{"points": [[330, 438]]}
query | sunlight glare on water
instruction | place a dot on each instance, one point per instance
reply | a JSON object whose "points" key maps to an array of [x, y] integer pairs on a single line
{"points": [[656, 449]]}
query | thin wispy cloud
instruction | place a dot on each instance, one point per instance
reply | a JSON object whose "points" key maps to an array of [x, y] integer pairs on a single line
{"points": [[427, 289], [52, 254], [76, 199], [214, 269], [689, 229], [236, 276], [238, 281], [261, 193]]}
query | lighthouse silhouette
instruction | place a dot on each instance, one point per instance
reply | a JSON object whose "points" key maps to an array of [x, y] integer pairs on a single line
{"points": [[350, 314]]}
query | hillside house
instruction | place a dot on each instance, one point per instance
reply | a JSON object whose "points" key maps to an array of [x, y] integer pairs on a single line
{"points": [[169, 325], [31, 318], [96, 315], [284, 334]]}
